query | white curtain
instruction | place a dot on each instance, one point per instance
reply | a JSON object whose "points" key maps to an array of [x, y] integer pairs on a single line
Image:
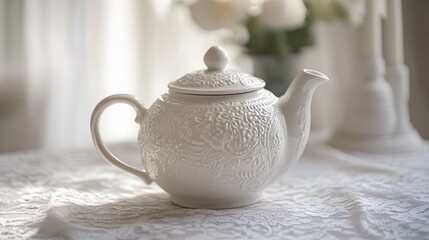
{"points": [[66, 55]]}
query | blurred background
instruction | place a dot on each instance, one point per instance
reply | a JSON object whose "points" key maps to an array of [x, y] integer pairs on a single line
{"points": [[58, 58]]}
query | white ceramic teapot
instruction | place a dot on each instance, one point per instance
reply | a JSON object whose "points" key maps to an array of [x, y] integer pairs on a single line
{"points": [[217, 139]]}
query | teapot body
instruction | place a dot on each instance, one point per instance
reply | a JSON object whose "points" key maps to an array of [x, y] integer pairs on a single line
{"points": [[213, 151], [217, 139]]}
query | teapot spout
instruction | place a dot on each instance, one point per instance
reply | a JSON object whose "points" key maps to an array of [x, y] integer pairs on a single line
{"points": [[295, 105]]}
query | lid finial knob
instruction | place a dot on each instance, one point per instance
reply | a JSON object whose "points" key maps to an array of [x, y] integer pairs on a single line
{"points": [[216, 58]]}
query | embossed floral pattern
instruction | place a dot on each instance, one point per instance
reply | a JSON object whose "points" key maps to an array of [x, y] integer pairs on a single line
{"points": [[217, 82], [217, 78], [246, 134]]}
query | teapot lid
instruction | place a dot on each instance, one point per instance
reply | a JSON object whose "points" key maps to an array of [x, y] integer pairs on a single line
{"points": [[215, 80]]}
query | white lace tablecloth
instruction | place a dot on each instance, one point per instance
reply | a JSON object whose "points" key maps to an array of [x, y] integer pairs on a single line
{"points": [[327, 195]]}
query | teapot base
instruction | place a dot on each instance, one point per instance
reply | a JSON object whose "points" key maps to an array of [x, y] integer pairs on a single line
{"points": [[192, 203]]}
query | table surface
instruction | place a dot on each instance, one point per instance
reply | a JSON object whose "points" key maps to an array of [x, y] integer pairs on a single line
{"points": [[328, 194]]}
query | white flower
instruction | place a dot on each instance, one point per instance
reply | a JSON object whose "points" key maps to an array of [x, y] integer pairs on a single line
{"points": [[283, 14], [215, 14]]}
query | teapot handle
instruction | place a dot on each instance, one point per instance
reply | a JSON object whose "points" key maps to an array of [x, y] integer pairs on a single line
{"points": [[141, 111]]}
